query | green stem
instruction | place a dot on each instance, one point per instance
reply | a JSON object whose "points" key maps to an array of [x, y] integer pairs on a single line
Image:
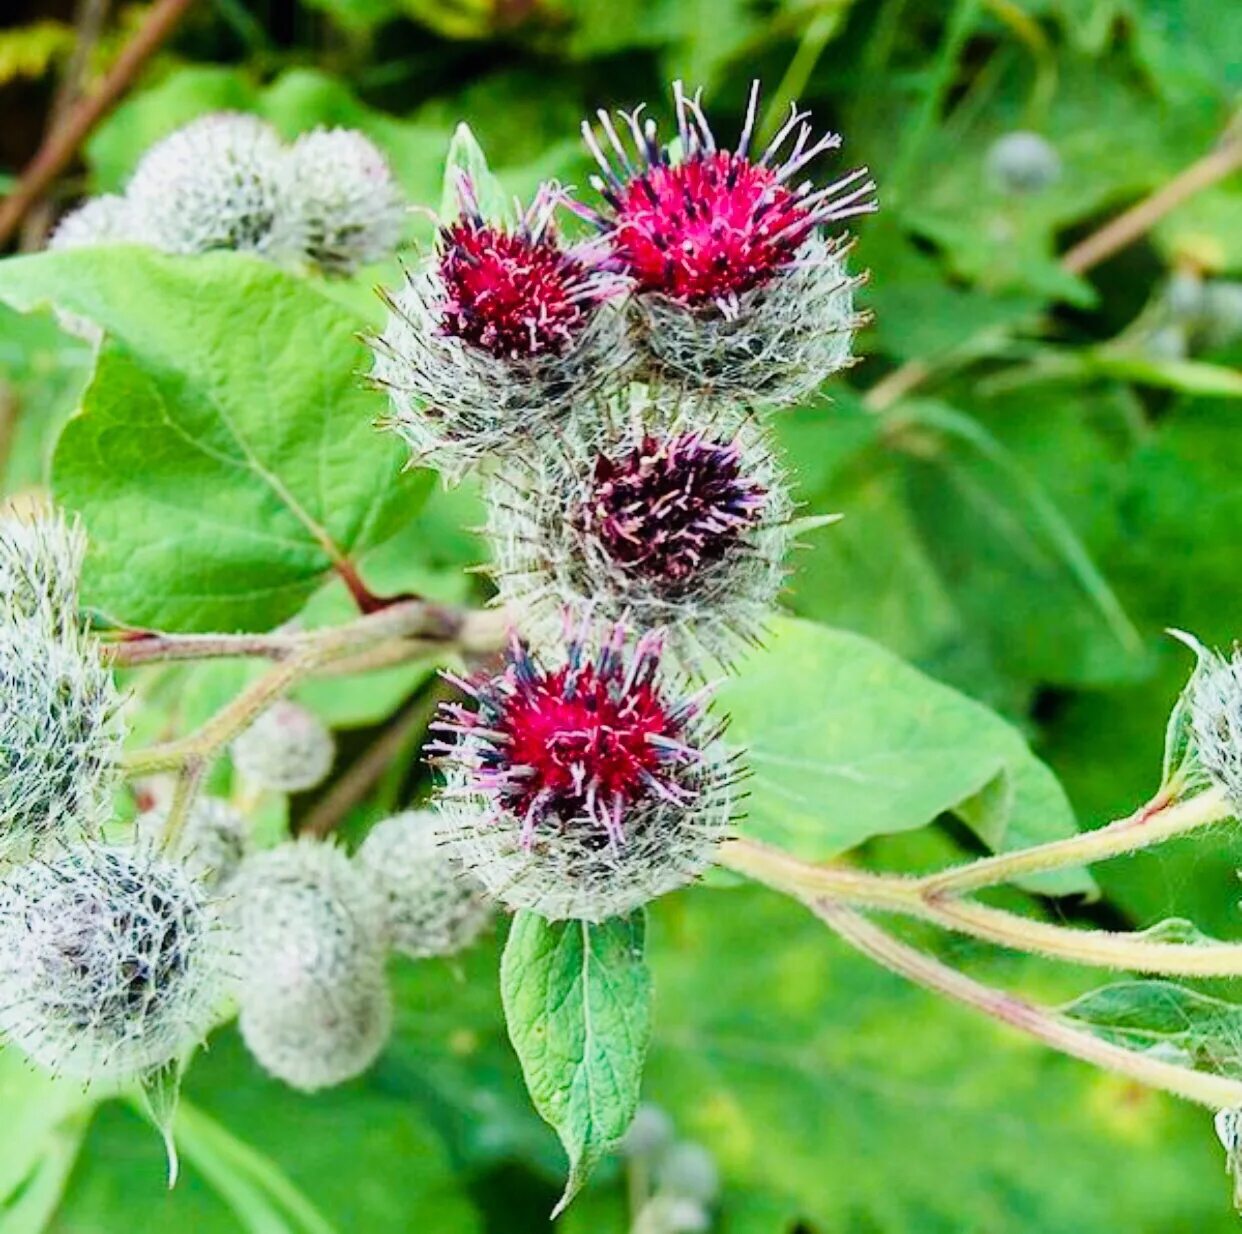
{"points": [[1212, 1091]]}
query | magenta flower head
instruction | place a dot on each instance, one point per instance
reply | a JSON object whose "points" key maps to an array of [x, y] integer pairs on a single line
{"points": [[679, 526], [737, 289], [496, 338], [585, 788]]}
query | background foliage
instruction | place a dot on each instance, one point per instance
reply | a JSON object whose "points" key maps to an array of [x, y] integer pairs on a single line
{"points": [[1063, 486]]}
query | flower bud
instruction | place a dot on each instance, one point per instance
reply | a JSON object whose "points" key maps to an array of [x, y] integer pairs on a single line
{"points": [[680, 529], [40, 567], [586, 787], [288, 749], [113, 962], [349, 207], [432, 906], [213, 840], [737, 291], [649, 1134], [1216, 719], [220, 182], [315, 1006], [1022, 164], [669, 1214], [493, 342], [689, 1171], [60, 736]]}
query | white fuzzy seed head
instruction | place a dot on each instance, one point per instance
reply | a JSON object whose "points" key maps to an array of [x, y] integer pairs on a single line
{"points": [[213, 841], [1022, 164], [60, 737], [350, 208], [432, 907], [315, 1006], [773, 345], [682, 527], [287, 749], [220, 182], [112, 962], [101, 220], [40, 567], [1216, 720]]}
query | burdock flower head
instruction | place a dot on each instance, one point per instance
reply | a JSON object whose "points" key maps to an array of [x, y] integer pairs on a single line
{"points": [[315, 1006], [737, 290], [585, 788], [1214, 698], [219, 182], [682, 527], [348, 206], [112, 960], [494, 339], [288, 749]]}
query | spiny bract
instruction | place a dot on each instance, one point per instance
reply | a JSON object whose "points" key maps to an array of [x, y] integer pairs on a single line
{"points": [[1215, 693], [432, 906], [287, 749], [492, 342], [584, 787], [213, 840], [681, 527], [112, 961], [315, 1005], [41, 558]]}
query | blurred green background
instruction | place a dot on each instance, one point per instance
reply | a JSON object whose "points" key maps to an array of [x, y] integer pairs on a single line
{"points": [[1040, 471]]}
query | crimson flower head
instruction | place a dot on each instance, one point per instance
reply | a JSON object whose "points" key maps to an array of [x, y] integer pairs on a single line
{"points": [[585, 787], [737, 288], [499, 335]]}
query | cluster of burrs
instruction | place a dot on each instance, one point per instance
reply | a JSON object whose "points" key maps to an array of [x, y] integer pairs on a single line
{"points": [[615, 395], [226, 181]]}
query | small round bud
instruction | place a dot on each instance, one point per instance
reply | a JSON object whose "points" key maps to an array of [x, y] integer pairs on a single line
{"points": [[40, 567], [213, 840], [649, 1134], [670, 1214], [493, 342], [688, 1170], [432, 906], [1222, 311], [287, 749], [60, 736], [315, 1007], [1216, 720], [737, 291], [350, 208], [112, 962], [677, 528], [1184, 295], [586, 787], [101, 220], [1022, 163], [219, 182]]}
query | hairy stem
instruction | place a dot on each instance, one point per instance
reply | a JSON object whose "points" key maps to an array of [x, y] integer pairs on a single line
{"points": [[1044, 1025]]}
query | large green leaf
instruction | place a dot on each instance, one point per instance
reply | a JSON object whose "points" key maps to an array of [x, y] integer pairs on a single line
{"points": [[225, 460], [846, 741], [578, 1004]]}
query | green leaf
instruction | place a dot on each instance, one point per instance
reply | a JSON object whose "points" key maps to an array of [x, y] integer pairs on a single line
{"points": [[226, 458], [466, 158], [846, 741], [577, 1002]]}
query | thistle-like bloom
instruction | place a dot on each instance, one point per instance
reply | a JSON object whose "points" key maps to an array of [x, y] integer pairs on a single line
{"points": [[432, 906], [587, 788], [1215, 698], [737, 291], [41, 559], [113, 962], [681, 528], [495, 340], [220, 182], [315, 1006], [349, 207], [288, 749], [60, 736], [214, 838]]}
